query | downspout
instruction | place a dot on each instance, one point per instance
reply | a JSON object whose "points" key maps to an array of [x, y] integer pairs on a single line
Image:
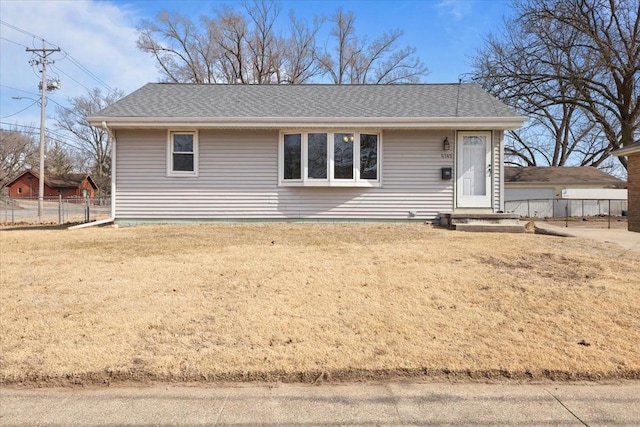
{"points": [[113, 185], [502, 196]]}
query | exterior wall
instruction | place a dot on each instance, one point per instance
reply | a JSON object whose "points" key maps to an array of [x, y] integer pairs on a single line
{"points": [[238, 179], [28, 183], [633, 180], [511, 193], [30, 186], [84, 185]]}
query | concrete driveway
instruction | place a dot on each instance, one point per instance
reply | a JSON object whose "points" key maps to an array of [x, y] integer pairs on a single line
{"points": [[627, 239]]}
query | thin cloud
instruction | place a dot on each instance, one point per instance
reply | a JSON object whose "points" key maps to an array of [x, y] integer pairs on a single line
{"points": [[99, 35], [456, 9]]}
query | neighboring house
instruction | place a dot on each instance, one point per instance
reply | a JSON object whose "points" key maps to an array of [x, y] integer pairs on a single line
{"points": [[633, 183], [305, 152], [26, 185], [538, 186]]}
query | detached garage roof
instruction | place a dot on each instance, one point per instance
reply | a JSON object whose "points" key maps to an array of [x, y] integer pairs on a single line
{"points": [[560, 176], [277, 106]]}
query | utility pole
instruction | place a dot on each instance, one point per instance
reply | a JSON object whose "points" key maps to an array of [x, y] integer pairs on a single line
{"points": [[42, 60]]}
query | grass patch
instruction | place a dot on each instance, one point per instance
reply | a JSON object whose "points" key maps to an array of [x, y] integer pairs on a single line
{"points": [[302, 302]]}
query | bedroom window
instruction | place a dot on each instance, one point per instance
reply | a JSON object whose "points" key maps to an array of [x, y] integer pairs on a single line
{"points": [[182, 154], [329, 159]]}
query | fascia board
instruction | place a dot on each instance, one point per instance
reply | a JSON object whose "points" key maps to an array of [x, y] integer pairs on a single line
{"points": [[474, 123], [625, 151]]}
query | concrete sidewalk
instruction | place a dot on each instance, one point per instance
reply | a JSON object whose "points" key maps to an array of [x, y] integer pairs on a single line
{"points": [[378, 404], [627, 239]]}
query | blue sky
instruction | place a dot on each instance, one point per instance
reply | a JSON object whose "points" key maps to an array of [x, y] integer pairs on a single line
{"points": [[98, 39]]}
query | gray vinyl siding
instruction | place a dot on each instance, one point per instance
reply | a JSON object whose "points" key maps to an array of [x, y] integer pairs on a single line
{"points": [[238, 179]]}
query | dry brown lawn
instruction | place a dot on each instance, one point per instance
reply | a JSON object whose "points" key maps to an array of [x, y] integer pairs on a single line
{"points": [[283, 302]]}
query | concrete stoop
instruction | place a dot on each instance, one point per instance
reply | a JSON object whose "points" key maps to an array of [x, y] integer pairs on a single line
{"points": [[485, 222]]}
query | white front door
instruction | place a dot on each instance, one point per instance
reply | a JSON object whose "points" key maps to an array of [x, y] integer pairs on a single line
{"points": [[474, 169]]}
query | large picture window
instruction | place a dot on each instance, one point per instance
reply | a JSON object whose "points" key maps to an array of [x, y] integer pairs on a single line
{"points": [[330, 159], [182, 154]]}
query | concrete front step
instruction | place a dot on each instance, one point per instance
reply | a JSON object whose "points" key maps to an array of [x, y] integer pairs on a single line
{"points": [[484, 222], [490, 228], [488, 218]]}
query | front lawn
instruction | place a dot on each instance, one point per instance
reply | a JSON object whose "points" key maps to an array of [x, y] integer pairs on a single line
{"points": [[302, 302]]}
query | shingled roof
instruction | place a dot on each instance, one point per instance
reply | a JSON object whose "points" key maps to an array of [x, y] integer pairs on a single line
{"points": [[560, 176], [209, 103], [70, 180]]}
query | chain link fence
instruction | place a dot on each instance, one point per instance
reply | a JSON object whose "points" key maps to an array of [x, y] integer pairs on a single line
{"points": [[15, 211], [571, 211]]}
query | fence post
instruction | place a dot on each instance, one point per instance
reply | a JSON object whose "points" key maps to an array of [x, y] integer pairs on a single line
{"points": [[609, 213], [86, 209], [566, 215], [59, 208]]}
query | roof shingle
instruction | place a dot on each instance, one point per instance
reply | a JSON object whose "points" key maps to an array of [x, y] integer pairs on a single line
{"points": [[559, 175], [314, 101]]}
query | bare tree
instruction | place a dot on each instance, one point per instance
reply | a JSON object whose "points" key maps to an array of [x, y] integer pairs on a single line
{"points": [[183, 51], [573, 67], [91, 141], [360, 61], [242, 46], [232, 47], [298, 62], [18, 151]]}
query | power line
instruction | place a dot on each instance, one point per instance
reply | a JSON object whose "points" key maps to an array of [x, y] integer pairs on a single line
{"points": [[11, 41], [20, 90], [86, 70], [14, 114], [72, 60], [36, 131], [20, 30], [71, 78]]}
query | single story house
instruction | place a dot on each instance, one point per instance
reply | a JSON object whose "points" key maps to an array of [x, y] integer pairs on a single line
{"points": [[546, 191], [633, 183], [190, 152], [26, 185]]}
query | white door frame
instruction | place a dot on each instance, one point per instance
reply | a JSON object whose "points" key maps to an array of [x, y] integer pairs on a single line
{"points": [[472, 167]]}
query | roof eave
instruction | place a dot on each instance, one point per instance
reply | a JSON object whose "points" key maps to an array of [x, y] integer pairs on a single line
{"points": [[476, 123], [625, 151]]}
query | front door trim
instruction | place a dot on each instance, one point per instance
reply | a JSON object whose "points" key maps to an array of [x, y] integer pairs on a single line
{"points": [[474, 169]]}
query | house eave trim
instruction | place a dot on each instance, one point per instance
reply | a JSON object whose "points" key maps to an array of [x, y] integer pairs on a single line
{"points": [[472, 123], [625, 151]]}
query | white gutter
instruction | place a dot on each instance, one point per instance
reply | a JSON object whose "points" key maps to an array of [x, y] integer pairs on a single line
{"points": [[469, 123]]}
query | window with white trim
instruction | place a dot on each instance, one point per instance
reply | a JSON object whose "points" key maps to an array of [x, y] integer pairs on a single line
{"points": [[182, 153], [329, 159]]}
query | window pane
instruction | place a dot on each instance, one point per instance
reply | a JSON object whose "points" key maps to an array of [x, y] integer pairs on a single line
{"points": [[183, 162], [183, 143], [343, 156], [292, 156], [368, 156], [317, 155]]}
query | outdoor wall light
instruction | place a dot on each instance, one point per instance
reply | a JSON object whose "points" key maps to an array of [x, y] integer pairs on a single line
{"points": [[445, 144], [347, 138]]}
